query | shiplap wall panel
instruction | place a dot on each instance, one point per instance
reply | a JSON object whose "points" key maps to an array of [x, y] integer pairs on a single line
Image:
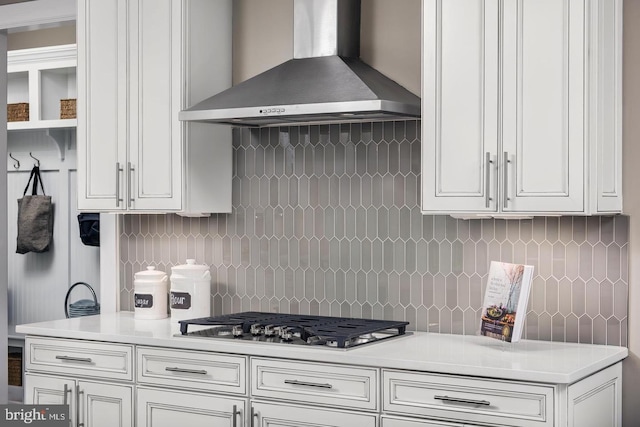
{"points": [[84, 261], [38, 283]]}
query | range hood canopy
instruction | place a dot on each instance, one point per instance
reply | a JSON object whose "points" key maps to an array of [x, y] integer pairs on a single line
{"points": [[325, 82]]}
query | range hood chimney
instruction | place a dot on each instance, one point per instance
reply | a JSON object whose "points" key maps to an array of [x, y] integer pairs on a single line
{"points": [[325, 82]]}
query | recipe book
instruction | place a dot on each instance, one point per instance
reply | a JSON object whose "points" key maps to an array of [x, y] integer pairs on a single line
{"points": [[505, 300]]}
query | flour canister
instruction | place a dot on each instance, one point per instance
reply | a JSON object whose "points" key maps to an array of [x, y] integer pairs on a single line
{"points": [[150, 289], [190, 296]]}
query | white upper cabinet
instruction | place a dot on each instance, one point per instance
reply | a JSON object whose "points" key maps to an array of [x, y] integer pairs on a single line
{"points": [[518, 117], [140, 63], [460, 105]]}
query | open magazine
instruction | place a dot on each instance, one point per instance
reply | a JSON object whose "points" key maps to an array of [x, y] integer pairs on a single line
{"points": [[505, 300]]}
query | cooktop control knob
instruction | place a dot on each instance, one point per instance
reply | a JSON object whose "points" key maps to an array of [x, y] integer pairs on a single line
{"points": [[271, 330], [286, 334], [256, 329], [237, 331]]}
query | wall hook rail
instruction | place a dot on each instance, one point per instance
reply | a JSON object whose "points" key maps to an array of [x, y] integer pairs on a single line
{"points": [[16, 165], [37, 161]]}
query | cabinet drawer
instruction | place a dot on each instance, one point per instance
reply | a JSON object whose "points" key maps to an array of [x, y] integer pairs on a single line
{"points": [[82, 358], [405, 422], [322, 384], [277, 415], [469, 400], [192, 369]]}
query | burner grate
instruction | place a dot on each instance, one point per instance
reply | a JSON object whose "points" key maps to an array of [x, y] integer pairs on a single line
{"points": [[341, 330]]}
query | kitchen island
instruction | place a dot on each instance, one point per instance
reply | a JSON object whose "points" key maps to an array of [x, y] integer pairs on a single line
{"points": [[414, 379]]}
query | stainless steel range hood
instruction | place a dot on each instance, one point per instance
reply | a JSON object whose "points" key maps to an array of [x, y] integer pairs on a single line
{"points": [[325, 82]]}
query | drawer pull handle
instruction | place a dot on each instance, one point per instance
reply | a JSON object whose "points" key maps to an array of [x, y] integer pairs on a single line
{"points": [[74, 359], [459, 400], [307, 384], [186, 371]]}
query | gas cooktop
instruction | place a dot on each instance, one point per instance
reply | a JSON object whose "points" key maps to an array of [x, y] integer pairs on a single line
{"points": [[298, 329]]}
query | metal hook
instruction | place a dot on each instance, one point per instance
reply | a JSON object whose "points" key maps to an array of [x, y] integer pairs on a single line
{"points": [[16, 165], [38, 161]]}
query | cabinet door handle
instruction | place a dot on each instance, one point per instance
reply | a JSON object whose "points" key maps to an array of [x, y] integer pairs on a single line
{"points": [[235, 412], [78, 403], [118, 170], [254, 415], [307, 384], [506, 180], [74, 359], [465, 401], [186, 371], [64, 396], [130, 169], [487, 179]]}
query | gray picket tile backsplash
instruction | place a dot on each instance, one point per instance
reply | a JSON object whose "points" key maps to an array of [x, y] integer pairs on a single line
{"points": [[326, 220]]}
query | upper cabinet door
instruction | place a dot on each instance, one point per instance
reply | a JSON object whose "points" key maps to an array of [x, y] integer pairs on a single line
{"points": [[543, 111], [155, 58], [102, 105], [460, 105]]}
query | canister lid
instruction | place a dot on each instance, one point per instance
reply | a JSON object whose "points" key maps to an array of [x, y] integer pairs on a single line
{"points": [[150, 274], [190, 269], [190, 266]]}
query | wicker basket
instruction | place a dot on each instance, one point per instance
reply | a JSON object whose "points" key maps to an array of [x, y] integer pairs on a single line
{"points": [[67, 108], [15, 369], [18, 112]]}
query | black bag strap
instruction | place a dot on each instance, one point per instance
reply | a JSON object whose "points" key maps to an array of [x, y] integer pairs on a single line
{"points": [[35, 175]]}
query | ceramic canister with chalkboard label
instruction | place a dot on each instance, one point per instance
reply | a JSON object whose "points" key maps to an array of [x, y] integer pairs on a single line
{"points": [[190, 295], [150, 289]]}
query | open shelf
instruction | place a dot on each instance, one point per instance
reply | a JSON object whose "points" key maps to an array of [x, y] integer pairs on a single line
{"points": [[42, 77]]}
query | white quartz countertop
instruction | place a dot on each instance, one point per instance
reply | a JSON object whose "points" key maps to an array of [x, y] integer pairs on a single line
{"points": [[538, 361]]}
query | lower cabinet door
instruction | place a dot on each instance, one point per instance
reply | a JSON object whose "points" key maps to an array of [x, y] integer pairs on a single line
{"points": [[46, 390], [172, 408], [93, 404], [104, 405], [275, 415]]}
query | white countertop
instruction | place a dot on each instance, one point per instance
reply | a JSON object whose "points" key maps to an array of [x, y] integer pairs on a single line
{"points": [[539, 361]]}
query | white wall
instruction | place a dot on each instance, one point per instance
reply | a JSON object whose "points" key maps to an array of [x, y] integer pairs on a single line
{"points": [[65, 34], [389, 35]]}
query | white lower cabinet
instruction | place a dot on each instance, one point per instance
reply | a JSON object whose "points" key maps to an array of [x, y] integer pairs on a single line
{"points": [[453, 400], [112, 384], [91, 403], [468, 399], [408, 422], [324, 384], [268, 414], [94, 379], [327, 395], [170, 408]]}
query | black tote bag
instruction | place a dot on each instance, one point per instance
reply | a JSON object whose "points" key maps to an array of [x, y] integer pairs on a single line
{"points": [[35, 218]]}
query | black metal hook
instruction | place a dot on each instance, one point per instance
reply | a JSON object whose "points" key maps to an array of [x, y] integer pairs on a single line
{"points": [[38, 161], [16, 165]]}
